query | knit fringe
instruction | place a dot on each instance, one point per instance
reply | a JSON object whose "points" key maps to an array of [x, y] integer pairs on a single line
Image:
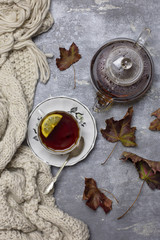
{"points": [[24, 21]]}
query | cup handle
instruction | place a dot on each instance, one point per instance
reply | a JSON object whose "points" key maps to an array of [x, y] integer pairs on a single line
{"points": [[143, 37], [102, 102]]}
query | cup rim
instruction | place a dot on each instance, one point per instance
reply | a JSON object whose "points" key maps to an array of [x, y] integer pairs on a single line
{"points": [[66, 150]]}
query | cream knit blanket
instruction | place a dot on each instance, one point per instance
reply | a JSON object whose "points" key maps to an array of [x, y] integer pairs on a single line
{"points": [[25, 212]]}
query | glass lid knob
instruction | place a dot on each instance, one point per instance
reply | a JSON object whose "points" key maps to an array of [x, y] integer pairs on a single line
{"points": [[124, 66]]}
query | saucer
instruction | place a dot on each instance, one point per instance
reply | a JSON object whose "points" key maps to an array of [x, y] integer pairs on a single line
{"points": [[79, 111]]}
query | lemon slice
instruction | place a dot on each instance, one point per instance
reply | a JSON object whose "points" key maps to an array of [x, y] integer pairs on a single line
{"points": [[49, 123]]}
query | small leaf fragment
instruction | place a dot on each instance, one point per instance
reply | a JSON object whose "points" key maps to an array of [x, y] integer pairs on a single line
{"points": [[155, 124], [68, 57], [156, 113], [148, 170], [120, 130], [95, 197]]}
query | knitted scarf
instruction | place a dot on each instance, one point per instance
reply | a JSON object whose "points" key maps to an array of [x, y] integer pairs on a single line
{"points": [[26, 212]]}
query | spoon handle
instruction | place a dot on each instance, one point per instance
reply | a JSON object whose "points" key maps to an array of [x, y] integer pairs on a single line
{"points": [[54, 179], [61, 168]]}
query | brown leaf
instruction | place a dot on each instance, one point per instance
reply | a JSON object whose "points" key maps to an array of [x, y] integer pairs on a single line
{"points": [[120, 130], [155, 124], [68, 57], [156, 113], [148, 170], [95, 197]]}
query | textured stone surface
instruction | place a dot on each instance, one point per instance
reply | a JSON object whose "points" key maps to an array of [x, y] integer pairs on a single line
{"points": [[89, 24]]}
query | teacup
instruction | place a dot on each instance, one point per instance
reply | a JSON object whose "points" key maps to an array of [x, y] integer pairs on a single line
{"points": [[64, 137]]}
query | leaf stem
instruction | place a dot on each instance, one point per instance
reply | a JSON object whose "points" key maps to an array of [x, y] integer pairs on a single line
{"points": [[133, 202], [109, 154], [74, 76], [110, 194]]}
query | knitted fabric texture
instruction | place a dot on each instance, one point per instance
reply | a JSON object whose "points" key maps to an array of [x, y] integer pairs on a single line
{"points": [[26, 212]]}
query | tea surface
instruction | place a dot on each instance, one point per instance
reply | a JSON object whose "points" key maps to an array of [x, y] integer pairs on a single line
{"points": [[64, 135]]}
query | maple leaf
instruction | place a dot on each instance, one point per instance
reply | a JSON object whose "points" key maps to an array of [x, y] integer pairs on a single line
{"points": [[148, 170], [68, 57], [120, 130], [95, 197], [155, 124]]}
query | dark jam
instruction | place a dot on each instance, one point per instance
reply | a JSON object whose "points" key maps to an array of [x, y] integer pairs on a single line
{"points": [[64, 135]]}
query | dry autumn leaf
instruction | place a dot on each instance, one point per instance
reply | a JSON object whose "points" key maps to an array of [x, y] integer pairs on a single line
{"points": [[155, 124], [95, 197], [149, 172], [68, 57], [120, 131]]}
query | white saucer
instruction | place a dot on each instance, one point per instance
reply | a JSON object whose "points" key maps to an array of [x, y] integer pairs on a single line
{"points": [[79, 111]]}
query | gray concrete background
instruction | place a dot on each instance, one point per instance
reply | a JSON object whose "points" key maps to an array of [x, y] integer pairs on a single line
{"points": [[89, 24]]}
